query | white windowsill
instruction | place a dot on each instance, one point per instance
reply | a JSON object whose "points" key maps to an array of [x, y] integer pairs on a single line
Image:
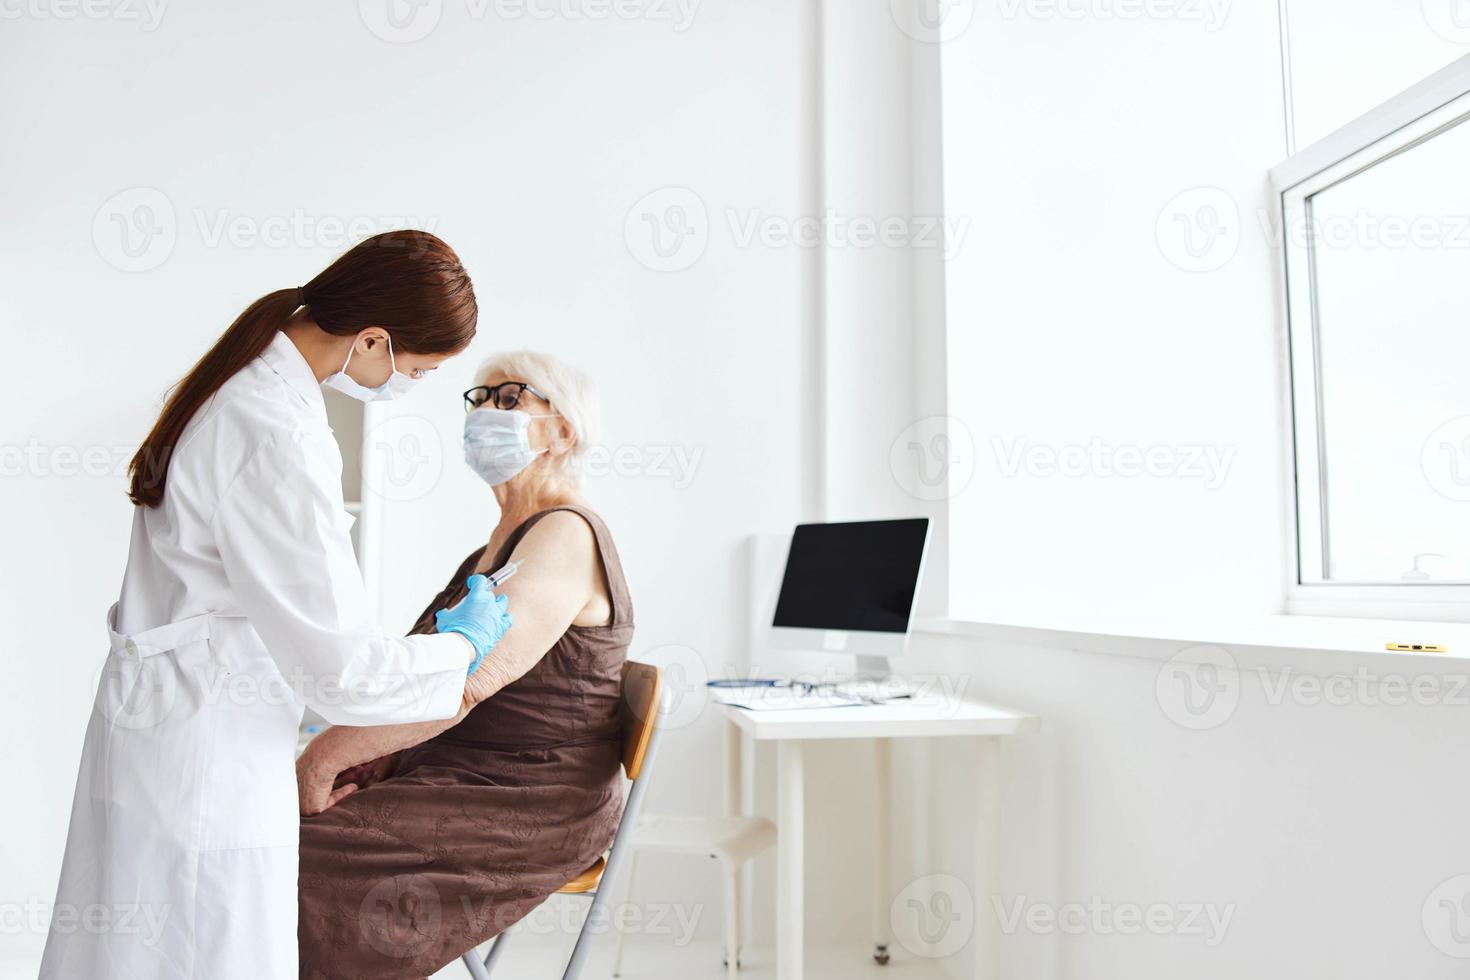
{"points": [[1253, 640]]}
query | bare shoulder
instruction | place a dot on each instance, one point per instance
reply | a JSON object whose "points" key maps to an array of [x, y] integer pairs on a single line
{"points": [[562, 535], [561, 555]]}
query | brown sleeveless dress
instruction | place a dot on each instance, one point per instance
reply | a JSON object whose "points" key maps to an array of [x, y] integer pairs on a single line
{"points": [[479, 825]]}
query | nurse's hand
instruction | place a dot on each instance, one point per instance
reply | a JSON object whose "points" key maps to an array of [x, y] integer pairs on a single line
{"points": [[316, 785], [480, 617], [366, 774]]}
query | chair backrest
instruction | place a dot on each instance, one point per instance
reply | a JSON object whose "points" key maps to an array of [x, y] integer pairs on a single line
{"points": [[642, 697]]}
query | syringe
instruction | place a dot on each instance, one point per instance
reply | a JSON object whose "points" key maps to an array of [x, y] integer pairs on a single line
{"points": [[496, 579]]}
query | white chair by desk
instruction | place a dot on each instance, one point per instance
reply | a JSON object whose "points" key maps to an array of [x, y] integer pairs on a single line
{"points": [[730, 840]]}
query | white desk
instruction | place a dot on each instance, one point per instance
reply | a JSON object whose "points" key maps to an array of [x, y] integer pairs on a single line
{"points": [[926, 718]]}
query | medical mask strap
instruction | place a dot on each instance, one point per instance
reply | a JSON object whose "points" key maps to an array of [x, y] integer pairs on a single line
{"points": [[392, 364], [548, 415]]}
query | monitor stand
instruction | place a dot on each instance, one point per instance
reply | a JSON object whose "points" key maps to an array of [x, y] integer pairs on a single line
{"points": [[874, 679]]}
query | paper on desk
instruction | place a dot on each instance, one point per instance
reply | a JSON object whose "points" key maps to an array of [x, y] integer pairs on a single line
{"points": [[780, 698]]}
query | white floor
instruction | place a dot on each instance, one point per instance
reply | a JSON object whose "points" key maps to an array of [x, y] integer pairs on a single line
{"points": [[702, 961], [643, 961]]}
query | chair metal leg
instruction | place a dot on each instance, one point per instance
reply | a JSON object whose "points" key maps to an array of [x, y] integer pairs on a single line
{"points": [[471, 961], [479, 970], [627, 892], [622, 849], [583, 944], [496, 948], [732, 919]]}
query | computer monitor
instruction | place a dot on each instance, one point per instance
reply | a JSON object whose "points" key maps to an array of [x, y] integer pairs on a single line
{"points": [[850, 588]]}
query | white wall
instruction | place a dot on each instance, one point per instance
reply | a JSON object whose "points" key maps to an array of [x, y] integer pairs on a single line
{"points": [[1114, 305], [1321, 825], [1092, 154], [525, 143], [1349, 56]]}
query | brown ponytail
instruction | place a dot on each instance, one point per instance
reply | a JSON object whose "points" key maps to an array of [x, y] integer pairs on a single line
{"points": [[407, 282]]}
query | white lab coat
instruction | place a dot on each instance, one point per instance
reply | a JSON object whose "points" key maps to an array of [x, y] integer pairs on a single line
{"points": [[241, 602]]}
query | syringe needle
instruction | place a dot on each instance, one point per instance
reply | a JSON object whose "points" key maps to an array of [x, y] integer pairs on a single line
{"points": [[497, 578]]}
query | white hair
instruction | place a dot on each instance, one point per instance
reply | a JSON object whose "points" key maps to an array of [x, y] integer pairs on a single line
{"points": [[571, 391]]}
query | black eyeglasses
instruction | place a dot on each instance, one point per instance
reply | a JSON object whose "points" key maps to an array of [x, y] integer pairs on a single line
{"points": [[504, 396]]}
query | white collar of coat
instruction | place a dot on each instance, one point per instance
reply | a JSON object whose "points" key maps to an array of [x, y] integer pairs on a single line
{"points": [[282, 357]]}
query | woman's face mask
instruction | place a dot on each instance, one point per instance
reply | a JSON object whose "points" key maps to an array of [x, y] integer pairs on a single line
{"points": [[497, 443], [397, 385]]}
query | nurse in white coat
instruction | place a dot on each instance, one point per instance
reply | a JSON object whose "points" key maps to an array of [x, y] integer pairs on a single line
{"points": [[241, 604]]}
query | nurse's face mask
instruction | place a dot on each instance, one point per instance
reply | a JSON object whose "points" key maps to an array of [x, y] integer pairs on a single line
{"points": [[397, 385], [497, 441]]}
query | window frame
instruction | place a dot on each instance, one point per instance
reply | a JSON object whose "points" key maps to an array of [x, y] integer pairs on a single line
{"points": [[1409, 119]]}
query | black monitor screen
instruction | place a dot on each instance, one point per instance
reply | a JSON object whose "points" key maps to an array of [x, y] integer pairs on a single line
{"points": [[858, 576]]}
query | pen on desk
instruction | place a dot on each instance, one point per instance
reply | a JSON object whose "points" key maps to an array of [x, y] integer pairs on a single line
{"points": [[497, 579]]}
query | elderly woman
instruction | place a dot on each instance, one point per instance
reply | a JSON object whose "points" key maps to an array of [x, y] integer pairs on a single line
{"points": [[421, 841]]}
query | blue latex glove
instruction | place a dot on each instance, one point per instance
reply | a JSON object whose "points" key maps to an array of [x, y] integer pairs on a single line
{"points": [[480, 617]]}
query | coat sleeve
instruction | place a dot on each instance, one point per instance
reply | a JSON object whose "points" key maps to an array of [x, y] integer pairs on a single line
{"points": [[283, 536]]}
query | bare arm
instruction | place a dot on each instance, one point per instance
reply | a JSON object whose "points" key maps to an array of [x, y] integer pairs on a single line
{"points": [[560, 577]]}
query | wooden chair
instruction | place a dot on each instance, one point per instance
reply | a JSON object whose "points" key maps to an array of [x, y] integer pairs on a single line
{"points": [[640, 708]]}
